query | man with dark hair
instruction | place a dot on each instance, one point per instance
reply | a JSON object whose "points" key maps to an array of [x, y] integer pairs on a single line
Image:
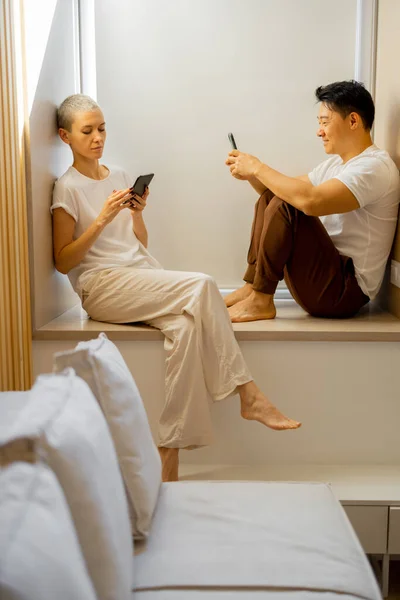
{"points": [[328, 233]]}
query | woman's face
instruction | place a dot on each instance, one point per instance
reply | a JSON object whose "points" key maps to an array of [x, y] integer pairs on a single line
{"points": [[88, 134]]}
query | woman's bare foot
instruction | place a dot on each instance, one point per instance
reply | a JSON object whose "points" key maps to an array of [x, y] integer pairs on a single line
{"points": [[170, 463], [255, 307], [254, 406], [238, 295]]}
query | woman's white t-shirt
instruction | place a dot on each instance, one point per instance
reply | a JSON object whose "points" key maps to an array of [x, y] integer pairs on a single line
{"points": [[117, 246], [366, 234]]}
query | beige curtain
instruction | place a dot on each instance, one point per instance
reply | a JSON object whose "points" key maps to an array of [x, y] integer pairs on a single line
{"points": [[15, 310]]}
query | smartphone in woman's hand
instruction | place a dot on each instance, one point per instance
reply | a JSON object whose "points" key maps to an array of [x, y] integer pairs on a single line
{"points": [[140, 185]]}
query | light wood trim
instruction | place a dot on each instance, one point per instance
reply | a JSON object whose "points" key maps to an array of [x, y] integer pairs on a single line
{"points": [[292, 324], [15, 310], [393, 291], [387, 115]]}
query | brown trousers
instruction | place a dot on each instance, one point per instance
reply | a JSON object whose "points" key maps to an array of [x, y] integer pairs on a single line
{"points": [[286, 243]]}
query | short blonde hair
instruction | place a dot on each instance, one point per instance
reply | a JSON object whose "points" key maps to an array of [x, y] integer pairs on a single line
{"points": [[71, 105]]}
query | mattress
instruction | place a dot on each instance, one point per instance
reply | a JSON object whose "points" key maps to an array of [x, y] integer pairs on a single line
{"points": [[225, 540], [244, 594]]}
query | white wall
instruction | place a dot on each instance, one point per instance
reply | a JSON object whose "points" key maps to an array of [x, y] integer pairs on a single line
{"points": [[52, 65], [37, 31], [175, 77], [346, 395]]}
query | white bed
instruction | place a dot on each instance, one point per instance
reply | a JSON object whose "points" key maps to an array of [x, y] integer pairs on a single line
{"points": [[235, 540]]}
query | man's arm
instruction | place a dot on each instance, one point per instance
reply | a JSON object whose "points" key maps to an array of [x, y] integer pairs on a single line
{"points": [[257, 185], [260, 188], [331, 197], [328, 198]]}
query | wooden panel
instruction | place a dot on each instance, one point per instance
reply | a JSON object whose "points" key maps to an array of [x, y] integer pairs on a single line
{"points": [[394, 530], [387, 122], [15, 312], [371, 526], [393, 291]]}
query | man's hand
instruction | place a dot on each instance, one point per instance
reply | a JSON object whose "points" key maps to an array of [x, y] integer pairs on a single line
{"points": [[241, 165]]}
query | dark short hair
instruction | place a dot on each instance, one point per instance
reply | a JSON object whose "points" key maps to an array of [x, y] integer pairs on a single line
{"points": [[346, 97]]}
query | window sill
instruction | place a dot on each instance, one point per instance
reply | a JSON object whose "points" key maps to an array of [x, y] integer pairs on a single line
{"points": [[291, 324]]}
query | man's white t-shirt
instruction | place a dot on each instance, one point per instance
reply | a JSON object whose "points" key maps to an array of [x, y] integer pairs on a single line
{"points": [[117, 246], [366, 234]]}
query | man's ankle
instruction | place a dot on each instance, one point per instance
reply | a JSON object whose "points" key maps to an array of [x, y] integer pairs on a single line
{"points": [[263, 297]]}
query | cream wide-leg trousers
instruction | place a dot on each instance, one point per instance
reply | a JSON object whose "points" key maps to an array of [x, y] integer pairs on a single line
{"points": [[204, 362]]}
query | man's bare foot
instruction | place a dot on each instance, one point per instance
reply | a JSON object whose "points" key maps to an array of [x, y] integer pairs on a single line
{"points": [[254, 406], [238, 295], [255, 307], [170, 463]]}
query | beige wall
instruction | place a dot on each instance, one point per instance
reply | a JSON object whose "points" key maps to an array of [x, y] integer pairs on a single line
{"points": [[190, 73], [336, 401], [387, 124]]}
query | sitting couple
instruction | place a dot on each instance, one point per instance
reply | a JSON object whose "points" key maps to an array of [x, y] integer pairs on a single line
{"points": [[333, 266]]}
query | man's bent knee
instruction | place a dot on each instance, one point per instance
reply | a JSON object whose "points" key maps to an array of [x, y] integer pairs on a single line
{"points": [[277, 202]]}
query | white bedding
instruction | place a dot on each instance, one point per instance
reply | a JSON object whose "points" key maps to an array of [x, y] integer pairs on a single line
{"points": [[292, 540], [246, 594]]}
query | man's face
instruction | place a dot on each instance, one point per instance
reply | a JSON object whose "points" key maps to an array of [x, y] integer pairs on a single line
{"points": [[333, 130], [88, 134]]}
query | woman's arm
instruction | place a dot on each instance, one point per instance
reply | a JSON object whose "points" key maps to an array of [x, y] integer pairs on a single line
{"points": [[139, 228], [138, 204], [68, 253]]}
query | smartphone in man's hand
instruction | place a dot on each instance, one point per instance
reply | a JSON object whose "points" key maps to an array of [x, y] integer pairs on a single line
{"points": [[232, 141]]}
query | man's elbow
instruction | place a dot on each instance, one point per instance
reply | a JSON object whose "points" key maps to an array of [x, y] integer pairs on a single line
{"points": [[307, 207], [311, 206]]}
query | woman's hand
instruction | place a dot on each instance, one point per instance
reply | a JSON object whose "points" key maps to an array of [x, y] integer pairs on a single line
{"points": [[113, 205], [138, 203], [241, 165]]}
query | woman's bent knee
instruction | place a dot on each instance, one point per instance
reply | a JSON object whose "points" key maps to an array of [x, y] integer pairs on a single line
{"points": [[207, 281]]}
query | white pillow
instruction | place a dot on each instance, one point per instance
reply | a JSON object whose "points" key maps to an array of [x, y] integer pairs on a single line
{"points": [[40, 557], [73, 438], [101, 365]]}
